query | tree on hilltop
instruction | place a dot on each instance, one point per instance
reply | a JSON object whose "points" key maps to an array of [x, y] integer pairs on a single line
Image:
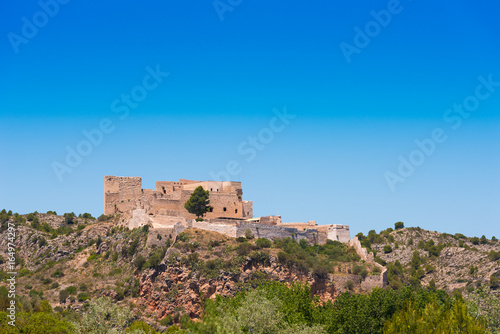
{"points": [[198, 203], [399, 225]]}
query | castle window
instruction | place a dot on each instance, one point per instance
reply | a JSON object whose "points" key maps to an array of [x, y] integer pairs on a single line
{"points": [[235, 210], [224, 209], [211, 189]]}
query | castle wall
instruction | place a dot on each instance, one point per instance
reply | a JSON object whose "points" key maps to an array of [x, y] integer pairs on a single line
{"points": [[120, 193], [276, 232], [339, 233], [362, 252], [247, 209], [226, 229]]}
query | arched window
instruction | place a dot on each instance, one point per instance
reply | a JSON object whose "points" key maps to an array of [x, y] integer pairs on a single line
{"points": [[224, 209]]}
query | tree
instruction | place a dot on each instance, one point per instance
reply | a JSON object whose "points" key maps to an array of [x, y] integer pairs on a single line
{"points": [[435, 318], [104, 316], [198, 203], [399, 225]]}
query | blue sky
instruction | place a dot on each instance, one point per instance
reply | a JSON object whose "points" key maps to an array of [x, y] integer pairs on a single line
{"points": [[353, 116]]}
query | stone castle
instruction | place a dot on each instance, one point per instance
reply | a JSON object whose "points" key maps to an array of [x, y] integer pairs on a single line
{"points": [[163, 208]]}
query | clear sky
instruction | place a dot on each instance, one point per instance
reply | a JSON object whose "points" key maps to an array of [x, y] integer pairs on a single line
{"points": [[361, 113]]}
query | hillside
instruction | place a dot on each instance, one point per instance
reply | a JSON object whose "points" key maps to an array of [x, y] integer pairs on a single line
{"points": [[87, 258], [165, 279], [440, 260]]}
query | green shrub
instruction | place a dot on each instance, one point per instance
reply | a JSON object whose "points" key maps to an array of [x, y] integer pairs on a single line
{"points": [[263, 243], [387, 249], [71, 290], [494, 282], [46, 281], [167, 321], [474, 240], [260, 257], [141, 327], [244, 249], [399, 225], [63, 295], [494, 256], [139, 261], [83, 296], [24, 272], [248, 234], [183, 237], [58, 274]]}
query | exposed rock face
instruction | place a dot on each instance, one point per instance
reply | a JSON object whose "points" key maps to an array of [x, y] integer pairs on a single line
{"points": [[172, 288]]}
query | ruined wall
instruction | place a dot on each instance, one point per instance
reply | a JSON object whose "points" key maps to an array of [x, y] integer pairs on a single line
{"points": [[276, 232], [248, 209], [121, 193], [362, 252], [270, 220], [339, 232], [226, 229]]}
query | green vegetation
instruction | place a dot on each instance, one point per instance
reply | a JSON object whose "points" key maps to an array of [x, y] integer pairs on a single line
{"points": [[399, 225], [275, 308], [304, 257], [198, 204]]}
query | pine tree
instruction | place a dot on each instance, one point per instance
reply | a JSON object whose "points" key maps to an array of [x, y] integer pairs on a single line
{"points": [[198, 203]]}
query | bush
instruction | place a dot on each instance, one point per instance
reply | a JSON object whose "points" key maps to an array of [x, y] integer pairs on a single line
{"points": [[167, 321], [248, 234], [493, 256], [46, 281], [241, 239], [387, 249], [260, 257], [320, 272], [63, 295], [139, 261], [83, 296], [349, 285], [399, 225], [103, 218], [71, 290], [263, 243], [494, 282], [58, 274], [24, 272], [244, 249], [183, 237], [54, 285], [140, 326]]}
